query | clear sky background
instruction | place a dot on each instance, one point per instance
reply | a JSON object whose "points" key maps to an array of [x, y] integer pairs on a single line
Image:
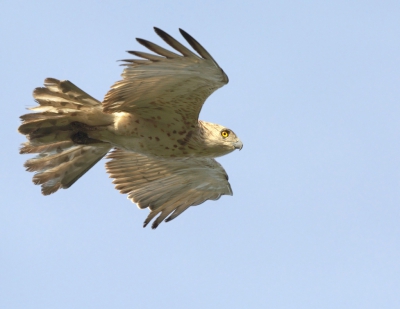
{"points": [[314, 95]]}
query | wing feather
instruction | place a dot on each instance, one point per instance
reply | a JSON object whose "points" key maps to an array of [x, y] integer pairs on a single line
{"points": [[167, 85], [175, 44], [146, 56], [167, 187], [196, 45], [158, 49]]}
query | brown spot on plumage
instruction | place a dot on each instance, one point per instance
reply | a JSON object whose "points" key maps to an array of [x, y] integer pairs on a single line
{"points": [[186, 139]]}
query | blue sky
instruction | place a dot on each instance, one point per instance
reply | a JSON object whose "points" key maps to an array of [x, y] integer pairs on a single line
{"points": [[314, 220]]}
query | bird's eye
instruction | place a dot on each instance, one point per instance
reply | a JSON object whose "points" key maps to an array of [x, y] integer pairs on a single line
{"points": [[225, 134]]}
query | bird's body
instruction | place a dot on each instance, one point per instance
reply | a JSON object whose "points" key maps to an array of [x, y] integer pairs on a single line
{"points": [[164, 155], [158, 139]]}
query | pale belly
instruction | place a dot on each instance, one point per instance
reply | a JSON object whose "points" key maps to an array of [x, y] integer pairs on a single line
{"points": [[149, 137]]}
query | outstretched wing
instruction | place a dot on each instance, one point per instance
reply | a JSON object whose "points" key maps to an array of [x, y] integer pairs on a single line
{"points": [[166, 86], [168, 186]]}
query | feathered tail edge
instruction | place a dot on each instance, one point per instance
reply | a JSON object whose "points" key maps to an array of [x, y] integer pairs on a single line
{"points": [[52, 132]]}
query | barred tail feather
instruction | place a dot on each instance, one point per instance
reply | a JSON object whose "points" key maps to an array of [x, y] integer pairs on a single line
{"points": [[61, 104], [64, 110], [63, 167]]}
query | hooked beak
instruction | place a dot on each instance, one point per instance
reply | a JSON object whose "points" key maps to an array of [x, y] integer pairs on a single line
{"points": [[238, 145]]}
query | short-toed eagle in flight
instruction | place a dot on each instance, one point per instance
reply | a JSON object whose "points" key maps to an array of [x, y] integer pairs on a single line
{"points": [[163, 155]]}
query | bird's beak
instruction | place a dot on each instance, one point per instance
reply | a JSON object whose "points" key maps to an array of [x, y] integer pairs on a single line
{"points": [[238, 145]]}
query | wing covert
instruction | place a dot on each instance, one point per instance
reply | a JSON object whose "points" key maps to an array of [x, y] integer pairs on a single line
{"points": [[166, 83]]}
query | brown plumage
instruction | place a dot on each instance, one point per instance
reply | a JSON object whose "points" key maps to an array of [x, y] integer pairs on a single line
{"points": [[163, 157]]}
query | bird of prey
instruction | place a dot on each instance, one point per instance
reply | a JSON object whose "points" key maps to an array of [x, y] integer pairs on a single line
{"points": [[160, 153]]}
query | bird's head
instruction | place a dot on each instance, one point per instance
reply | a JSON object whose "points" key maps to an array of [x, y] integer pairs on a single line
{"points": [[220, 139]]}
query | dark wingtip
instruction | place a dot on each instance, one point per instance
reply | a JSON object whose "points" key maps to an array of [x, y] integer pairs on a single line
{"points": [[187, 36], [197, 46], [183, 32], [161, 33], [154, 225]]}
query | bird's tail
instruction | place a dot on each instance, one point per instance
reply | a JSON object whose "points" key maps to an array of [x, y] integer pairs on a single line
{"points": [[58, 132]]}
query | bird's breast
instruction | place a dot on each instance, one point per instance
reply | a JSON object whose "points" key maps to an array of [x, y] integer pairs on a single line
{"points": [[155, 138]]}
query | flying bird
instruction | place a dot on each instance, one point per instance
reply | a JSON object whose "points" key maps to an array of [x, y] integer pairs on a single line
{"points": [[161, 155]]}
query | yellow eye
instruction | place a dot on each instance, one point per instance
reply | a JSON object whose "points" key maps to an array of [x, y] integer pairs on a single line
{"points": [[225, 134]]}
